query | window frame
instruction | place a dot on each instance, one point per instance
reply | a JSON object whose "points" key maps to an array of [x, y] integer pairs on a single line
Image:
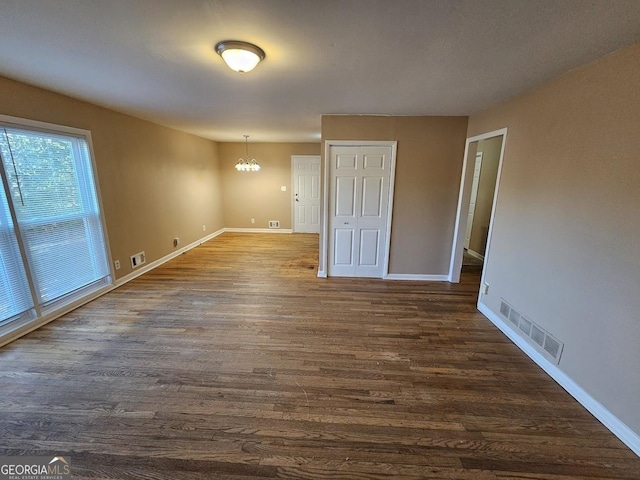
{"points": [[46, 313]]}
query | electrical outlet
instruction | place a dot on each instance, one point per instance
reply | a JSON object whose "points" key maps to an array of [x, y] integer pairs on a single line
{"points": [[204, 228], [253, 220], [116, 263], [176, 241], [274, 223]]}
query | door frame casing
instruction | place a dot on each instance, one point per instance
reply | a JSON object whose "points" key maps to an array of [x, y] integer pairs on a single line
{"points": [[324, 228], [293, 189], [462, 213]]}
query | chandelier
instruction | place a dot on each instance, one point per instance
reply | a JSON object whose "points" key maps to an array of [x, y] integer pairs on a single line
{"points": [[246, 163]]}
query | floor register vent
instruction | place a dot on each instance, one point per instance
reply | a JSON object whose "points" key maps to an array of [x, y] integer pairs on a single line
{"points": [[542, 339]]}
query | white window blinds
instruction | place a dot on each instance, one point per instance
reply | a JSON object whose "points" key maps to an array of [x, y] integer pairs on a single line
{"points": [[51, 187], [15, 297]]}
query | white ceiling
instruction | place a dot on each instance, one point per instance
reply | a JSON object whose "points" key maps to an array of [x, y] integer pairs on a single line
{"points": [[154, 58]]}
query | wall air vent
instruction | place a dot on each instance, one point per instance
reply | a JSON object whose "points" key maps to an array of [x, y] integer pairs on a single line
{"points": [[504, 309], [537, 335], [514, 317], [525, 326], [540, 338], [552, 346], [138, 259]]}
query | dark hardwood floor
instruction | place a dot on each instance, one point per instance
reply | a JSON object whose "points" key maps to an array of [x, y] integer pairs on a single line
{"points": [[235, 361]]}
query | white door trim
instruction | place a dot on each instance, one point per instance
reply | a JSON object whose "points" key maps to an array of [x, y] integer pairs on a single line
{"points": [[292, 187], [324, 229], [455, 264]]}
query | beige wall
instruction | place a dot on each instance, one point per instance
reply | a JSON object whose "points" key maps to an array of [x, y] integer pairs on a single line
{"points": [[490, 149], [565, 244], [156, 183], [257, 195], [428, 167]]}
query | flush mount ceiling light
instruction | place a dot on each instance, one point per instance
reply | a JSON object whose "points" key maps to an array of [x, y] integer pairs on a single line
{"points": [[240, 56], [246, 163]]}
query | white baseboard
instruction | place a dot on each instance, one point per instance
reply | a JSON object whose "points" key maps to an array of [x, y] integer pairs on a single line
{"points": [[417, 278], [150, 266], [475, 254], [258, 230], [404, 276], [608, 419]]}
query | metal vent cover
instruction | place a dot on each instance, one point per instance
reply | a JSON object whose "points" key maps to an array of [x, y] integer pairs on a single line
{"points": [[514, 317], [537, 335], [540, 338], [504, 309], [552, 346], [525, 326]]}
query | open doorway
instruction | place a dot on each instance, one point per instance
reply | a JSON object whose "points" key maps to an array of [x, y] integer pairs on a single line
{"points": [[483, 187], [476, 202]]}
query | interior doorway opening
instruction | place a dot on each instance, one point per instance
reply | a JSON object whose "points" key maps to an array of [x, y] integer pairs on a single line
{"points": [[479, 185], [483, 187]]}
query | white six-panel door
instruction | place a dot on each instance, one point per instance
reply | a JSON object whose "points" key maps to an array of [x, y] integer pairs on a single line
{"points": [[358, 210], [306, 193]]}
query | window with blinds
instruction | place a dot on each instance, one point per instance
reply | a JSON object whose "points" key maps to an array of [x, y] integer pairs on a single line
{"points": [[15, 297], [52, 246]]}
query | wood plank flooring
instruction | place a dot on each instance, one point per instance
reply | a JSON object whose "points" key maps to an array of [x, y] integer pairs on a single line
{"points": [[234, 361]]}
